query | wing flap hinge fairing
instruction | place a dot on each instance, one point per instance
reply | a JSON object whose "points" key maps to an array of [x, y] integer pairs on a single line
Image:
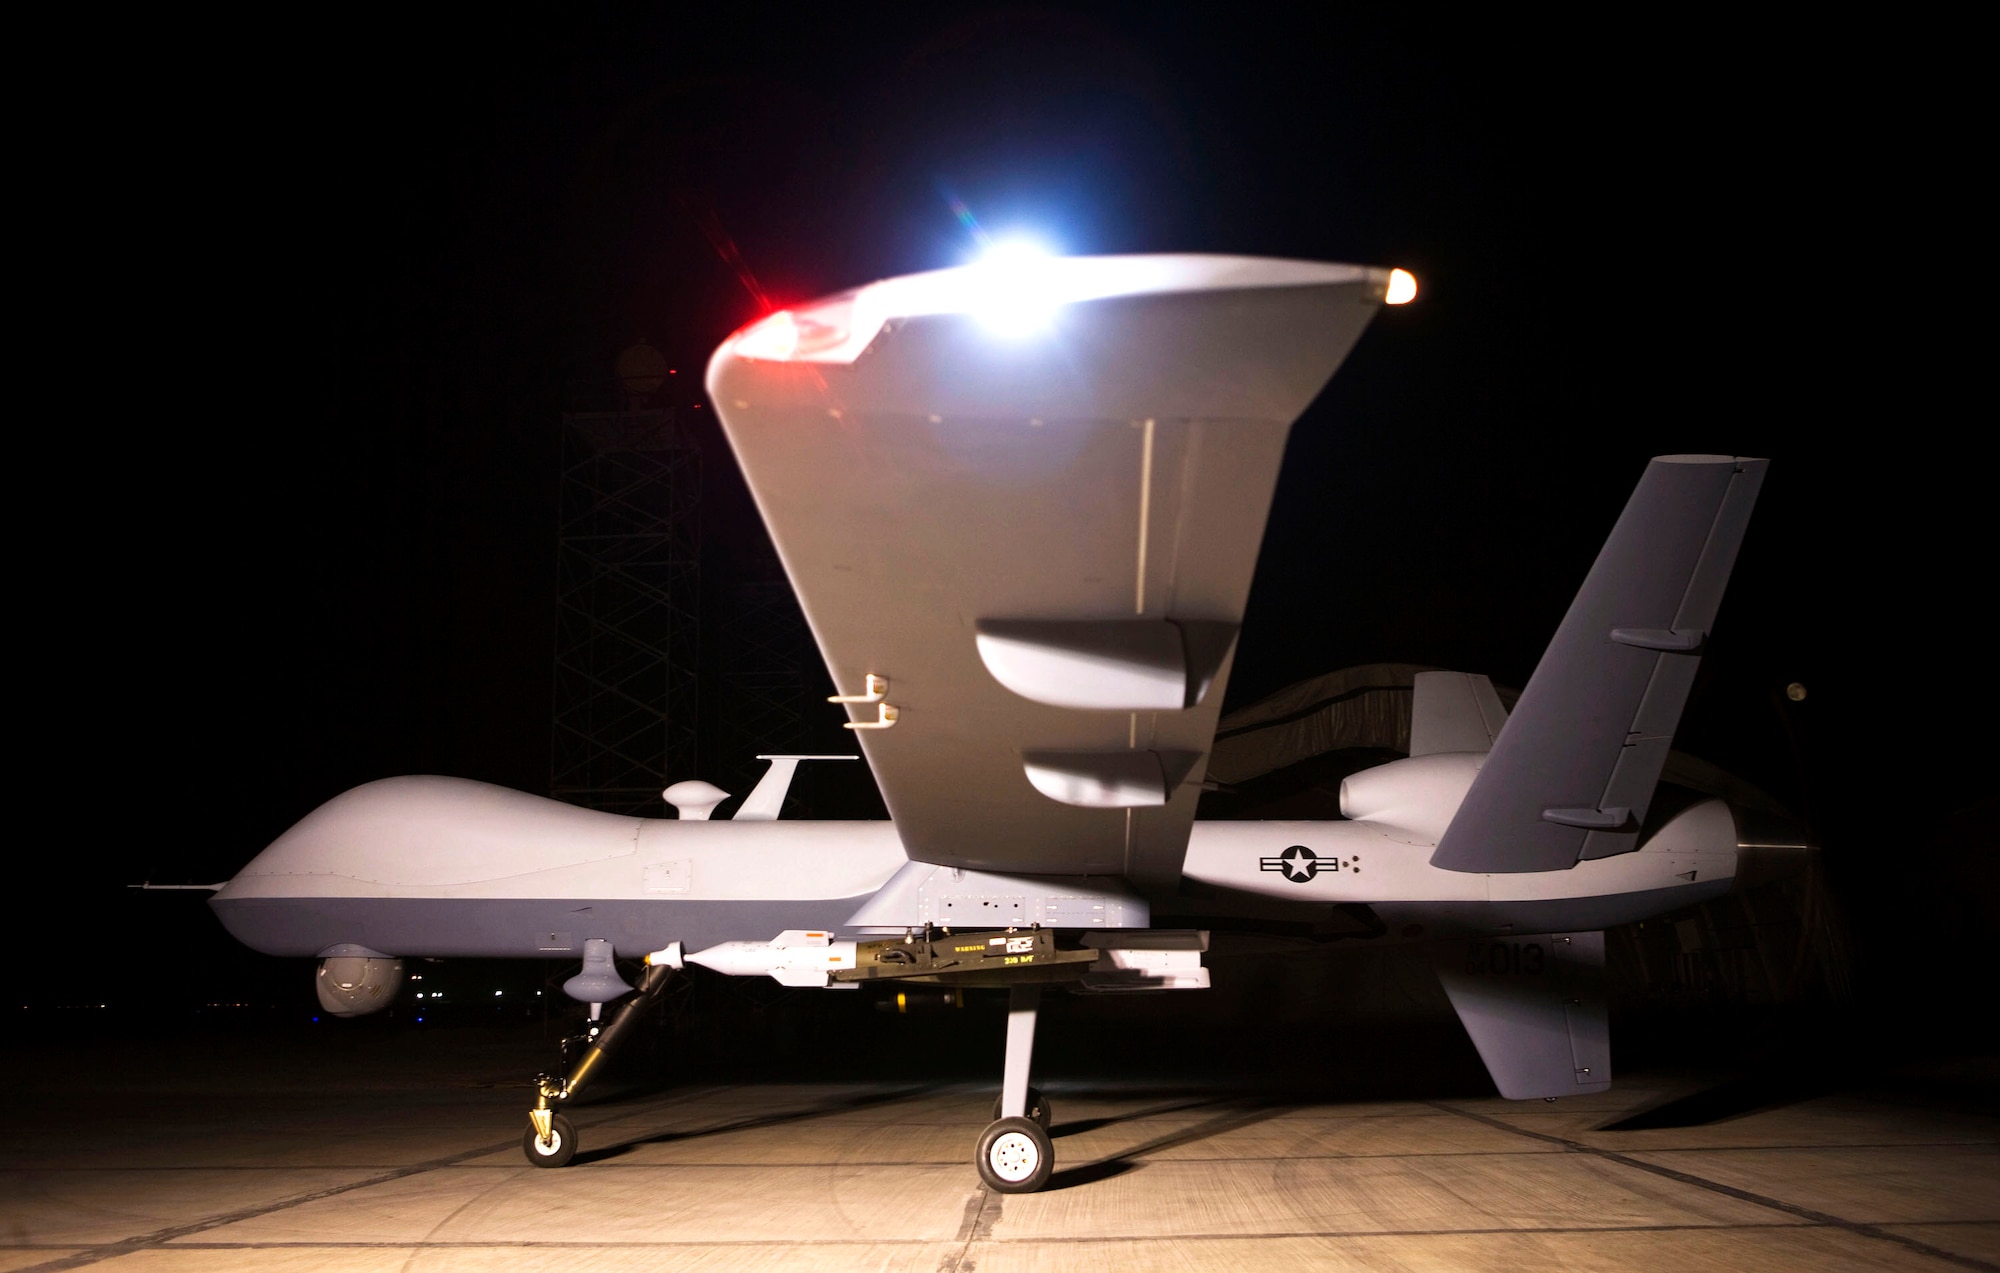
{"points": [[1109, 779], [1122, 665], [1665, 640]]}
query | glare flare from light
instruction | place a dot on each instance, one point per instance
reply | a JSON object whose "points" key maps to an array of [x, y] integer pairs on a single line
{"points": [[1013, 293], [1402, 288]]}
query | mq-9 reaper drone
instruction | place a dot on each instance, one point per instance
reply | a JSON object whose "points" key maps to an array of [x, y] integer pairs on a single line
{"points": [[1021, 505]]}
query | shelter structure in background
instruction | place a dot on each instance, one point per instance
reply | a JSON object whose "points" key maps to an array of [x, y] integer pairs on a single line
{"points": [[1354, 707], [628, 597]]}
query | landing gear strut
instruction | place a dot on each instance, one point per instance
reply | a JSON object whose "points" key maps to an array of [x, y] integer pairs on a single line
{"points": [[550, 1140], [1038, 1107], [1015, 1154]]}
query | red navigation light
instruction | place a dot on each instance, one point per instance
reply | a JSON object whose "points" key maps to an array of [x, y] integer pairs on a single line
{"points": [[775, 339], [818, 333]]}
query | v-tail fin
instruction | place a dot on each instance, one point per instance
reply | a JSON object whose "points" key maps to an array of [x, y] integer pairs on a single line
{"points": [[1573, 771], [1535, 1009], [1454, 711]]}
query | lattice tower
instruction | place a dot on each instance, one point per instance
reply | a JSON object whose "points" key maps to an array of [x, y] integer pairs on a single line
{"points": [[628, 609]]}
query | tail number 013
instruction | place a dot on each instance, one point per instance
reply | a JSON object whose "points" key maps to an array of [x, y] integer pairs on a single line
{"points": [[1505, 959]]}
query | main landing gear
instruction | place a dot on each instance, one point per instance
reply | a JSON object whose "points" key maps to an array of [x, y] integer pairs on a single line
{"points": [[550, 1140], [1038, 1108], [1014, 1154]]}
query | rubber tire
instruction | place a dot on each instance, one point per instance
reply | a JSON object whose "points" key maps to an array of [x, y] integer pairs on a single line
{"points": [[1004, 1137], [1038, 1109], [556, 1155]]}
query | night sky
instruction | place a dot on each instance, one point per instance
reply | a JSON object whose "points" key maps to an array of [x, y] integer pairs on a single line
{"points": [[334, 280]]}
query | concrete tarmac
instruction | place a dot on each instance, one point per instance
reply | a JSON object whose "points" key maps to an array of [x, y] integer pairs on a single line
{"points": [[214, 1155]]}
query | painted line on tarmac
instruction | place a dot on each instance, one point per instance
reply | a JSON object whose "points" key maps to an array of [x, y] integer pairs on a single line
{"points": [[1827, 1219], [1066, 1240], [159, 1237]]}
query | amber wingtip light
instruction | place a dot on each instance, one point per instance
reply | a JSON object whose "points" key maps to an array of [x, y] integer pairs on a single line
{"points": [[1402, 288]]}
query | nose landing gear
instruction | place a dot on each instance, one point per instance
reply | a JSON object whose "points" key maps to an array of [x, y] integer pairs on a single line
{"points": [[550, 1140]]}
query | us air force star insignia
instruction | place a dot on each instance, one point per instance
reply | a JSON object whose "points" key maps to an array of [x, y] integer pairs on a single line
{"points": [[1299, 864]]}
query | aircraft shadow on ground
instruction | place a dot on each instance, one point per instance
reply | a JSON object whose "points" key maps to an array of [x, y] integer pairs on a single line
{"points": [[1078, 1126], [1736, 1098], [1228, 1120], [825, 1109]]}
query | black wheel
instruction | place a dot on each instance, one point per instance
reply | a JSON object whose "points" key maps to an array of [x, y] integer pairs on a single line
{"points": [[1038, 1108], [557, 1150], [1015, 1156]]}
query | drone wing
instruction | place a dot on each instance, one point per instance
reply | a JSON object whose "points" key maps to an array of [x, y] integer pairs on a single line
{"points": [[1021, 506]]}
